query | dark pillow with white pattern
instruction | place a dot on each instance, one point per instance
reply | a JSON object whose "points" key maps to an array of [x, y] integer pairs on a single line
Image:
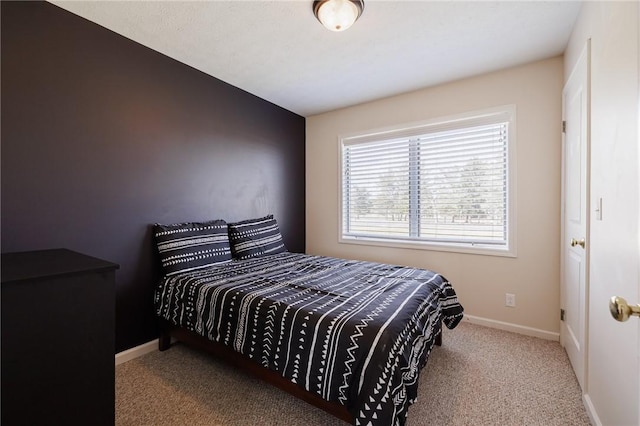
{"points": [[188, 246], [255, 237]]}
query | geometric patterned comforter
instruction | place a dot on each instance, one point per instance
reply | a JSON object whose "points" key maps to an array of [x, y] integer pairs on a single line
{"points": [[352, 332]]}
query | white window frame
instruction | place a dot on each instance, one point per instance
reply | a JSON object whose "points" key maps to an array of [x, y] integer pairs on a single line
{"points": [[505, 113]]}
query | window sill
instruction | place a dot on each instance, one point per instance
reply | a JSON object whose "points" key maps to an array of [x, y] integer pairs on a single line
{"points": [[484, 250]]}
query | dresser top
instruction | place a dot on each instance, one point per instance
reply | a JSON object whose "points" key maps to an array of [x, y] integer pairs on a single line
{"points": [[30, 265]]}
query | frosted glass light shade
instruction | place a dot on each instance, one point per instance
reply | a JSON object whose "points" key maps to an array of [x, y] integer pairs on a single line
{"points": [[337, 15]]}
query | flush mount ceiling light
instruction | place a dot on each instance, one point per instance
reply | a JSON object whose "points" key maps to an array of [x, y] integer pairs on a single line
{"points": [[338, 15]]}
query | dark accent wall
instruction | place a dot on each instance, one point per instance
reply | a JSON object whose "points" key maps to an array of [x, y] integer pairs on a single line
{"points": [[102, 137]]}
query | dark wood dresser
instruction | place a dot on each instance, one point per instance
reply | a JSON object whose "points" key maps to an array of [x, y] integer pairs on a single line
{"points": [[58, 339]]}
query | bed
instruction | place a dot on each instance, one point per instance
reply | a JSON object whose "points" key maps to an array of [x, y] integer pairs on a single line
{"points": [[347, 336]]}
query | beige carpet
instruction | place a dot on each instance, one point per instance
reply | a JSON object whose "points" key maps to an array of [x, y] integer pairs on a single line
{"points": [[480, 376]]}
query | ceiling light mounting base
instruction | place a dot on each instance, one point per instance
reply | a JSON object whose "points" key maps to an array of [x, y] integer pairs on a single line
{"points": [[337, 15]]}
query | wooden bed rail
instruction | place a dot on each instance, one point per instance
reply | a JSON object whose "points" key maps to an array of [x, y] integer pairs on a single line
{"points": [[169, 331], [239, 360]]}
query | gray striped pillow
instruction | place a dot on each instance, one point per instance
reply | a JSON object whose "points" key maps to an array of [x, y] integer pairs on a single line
{"points": [[192, 245], [255, 237]]}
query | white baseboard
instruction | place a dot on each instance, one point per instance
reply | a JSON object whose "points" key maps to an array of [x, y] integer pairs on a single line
{"points": [[151, 346], [515, 328], [137, 351], [591, 411]]}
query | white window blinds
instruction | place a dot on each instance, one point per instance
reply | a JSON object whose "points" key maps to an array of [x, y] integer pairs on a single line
{"points": [[447, 183]]}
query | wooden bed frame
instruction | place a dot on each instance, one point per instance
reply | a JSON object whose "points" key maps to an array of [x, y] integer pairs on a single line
{"points": [[169, 331]]}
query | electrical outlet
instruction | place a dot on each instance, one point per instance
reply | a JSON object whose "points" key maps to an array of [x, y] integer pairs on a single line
{"points": [[510, 300]]}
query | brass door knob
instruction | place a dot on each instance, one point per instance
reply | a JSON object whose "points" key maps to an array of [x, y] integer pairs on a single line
{"points": [[582, 243], [621, 310]]}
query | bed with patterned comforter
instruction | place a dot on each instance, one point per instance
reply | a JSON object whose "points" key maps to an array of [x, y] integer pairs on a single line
{"points": [[352, 332]]}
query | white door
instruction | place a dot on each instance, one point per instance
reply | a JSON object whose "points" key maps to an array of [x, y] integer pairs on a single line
{"points": [[613, 371], [575, 197]]}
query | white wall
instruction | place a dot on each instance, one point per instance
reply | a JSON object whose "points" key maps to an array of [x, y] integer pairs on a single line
{"points": [[480, 281], [613, 377]]}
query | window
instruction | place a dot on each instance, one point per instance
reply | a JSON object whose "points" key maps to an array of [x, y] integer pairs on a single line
{"points": [[444, 184]]}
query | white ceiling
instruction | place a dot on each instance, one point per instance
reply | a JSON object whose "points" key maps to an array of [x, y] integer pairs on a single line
{"points": [[278, 51]]}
